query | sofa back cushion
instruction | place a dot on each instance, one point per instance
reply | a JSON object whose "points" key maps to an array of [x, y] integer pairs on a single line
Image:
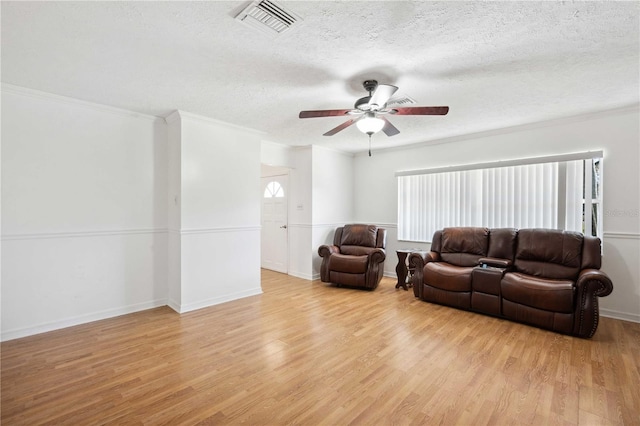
{"points": [[549, 253], [502, 243], [464, 246], [436, 241], [591, 253]]}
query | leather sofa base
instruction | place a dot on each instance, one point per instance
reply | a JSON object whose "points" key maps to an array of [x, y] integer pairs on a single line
{"points": [[457, 299], [486, 303], [556, 321]]}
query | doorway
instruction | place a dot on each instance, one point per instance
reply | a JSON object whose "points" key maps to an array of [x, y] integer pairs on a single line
{"points": [[274, 253]]}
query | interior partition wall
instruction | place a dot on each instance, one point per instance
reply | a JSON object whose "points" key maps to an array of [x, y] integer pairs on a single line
{"points": [[107, 212], [84, 220]]}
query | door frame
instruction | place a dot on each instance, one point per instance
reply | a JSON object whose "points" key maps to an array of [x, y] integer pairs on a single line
{"points": [[264, 180]]}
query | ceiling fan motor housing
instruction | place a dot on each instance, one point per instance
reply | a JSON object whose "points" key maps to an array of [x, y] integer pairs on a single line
{"points": [[362, 104], [370, 85]]}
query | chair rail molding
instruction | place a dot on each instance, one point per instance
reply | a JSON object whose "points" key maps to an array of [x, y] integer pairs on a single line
{"points": [[81, 234]]}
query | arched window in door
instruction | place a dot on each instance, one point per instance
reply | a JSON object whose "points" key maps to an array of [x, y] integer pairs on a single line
{"points": [[273, 190]]}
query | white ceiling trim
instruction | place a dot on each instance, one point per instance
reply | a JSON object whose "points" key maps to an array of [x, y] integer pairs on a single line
{"points": [[631, 109], [25, 91], [178, 114]]}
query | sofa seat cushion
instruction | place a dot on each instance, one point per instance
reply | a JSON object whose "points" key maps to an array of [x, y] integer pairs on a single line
{"points": [[542, 293], [346, 263], [448, 277], [356, 250]]}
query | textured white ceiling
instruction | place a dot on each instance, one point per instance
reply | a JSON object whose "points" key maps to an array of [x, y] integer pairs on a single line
{"points": [[495, 64]]}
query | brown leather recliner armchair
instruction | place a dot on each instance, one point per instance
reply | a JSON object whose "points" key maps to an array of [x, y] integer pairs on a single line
{"points": [[356, 258]]}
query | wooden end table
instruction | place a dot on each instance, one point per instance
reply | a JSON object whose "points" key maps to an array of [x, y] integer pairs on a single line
{"points": [[401, 268]]}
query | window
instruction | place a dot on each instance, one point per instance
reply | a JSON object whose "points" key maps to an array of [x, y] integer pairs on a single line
{"points": [[549, 192], [273, 189]]}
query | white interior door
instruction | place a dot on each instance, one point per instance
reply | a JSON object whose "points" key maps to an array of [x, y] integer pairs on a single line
{"points": [[275, 235]]}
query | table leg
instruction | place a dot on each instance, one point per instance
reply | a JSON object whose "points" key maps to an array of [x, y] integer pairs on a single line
{"points": [[401, 270]]}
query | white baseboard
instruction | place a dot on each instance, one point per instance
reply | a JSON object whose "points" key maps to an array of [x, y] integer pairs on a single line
{"points": [[187, 307], [625, 316], [81, 319], [173, 305], [309, 277]]}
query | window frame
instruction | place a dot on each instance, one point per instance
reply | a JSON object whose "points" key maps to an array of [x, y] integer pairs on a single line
{"points": [[561, 187]]}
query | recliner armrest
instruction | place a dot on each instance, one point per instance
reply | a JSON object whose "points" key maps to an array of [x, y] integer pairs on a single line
{"points": [[417, 260], [604, 285], [326, 251], [377, 256], [591, 284]]}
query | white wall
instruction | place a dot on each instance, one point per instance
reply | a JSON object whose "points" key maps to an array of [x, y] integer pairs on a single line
{"points": [[320, 200], [107, 212], [615, 132], [277, 155], [300, 214], [83, 209], [219, 201], [174, 218], [333, 198]]}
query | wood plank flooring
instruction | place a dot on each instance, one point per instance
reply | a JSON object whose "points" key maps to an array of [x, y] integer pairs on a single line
{"points": [[307, 353]]}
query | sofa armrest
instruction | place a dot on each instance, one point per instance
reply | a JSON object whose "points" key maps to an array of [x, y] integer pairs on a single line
{"points": [[495, 262], [591, 284], [596, 281], [417, 260]]}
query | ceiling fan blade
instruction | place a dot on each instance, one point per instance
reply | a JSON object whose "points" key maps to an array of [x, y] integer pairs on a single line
{"points": [[389, 129], [323, 113], [382, 94], [341, 127], [438, 110]]}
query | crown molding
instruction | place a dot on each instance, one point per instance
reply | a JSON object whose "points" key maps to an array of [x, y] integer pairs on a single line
{"points": [[182, 115], [24, 91], [173, 117], [594, 115], [334, 150]]}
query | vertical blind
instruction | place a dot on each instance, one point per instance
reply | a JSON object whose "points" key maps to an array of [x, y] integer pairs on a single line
{"points": [[546, 192]]}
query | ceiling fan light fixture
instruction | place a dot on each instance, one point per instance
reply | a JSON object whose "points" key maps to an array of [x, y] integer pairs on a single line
{"points": [[370, 124]]}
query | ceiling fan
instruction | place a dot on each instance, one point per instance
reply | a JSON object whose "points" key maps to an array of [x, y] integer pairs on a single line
{"points": [[369, 112]]}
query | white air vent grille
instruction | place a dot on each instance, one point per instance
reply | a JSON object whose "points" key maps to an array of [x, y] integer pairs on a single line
{"points": [[268, 16], [401, 100]]}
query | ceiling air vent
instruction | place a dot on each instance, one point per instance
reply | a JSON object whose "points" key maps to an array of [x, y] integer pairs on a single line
{"points": [[268, 16], [401, 100]]}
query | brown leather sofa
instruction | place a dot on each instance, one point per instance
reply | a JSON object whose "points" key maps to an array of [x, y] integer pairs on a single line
{"points": [[542, 277], [356, 258]]}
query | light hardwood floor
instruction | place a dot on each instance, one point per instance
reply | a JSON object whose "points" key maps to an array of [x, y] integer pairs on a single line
{"points": [[306, 353]]}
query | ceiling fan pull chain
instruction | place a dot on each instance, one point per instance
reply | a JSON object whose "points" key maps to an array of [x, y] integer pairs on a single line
{"points": [[369, 144]]}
